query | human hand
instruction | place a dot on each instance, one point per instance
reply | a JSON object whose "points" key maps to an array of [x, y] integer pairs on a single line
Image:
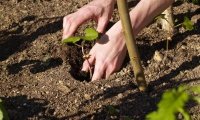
{"points": [[108, 54], [99, 10]]}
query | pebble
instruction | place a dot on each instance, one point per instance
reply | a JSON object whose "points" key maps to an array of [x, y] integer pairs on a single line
{"points": [[158, 56], [75, 101], [149, 75], [87, 96], [120, 95], [107, 86], [183, 47], [198, 47]]}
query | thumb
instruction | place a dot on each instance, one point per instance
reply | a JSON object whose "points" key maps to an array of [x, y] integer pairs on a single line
{"points": [[73, 21]]}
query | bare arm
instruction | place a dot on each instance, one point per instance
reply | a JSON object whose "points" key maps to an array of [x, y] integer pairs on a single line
{"points": [[108, 58], [146, 11]]}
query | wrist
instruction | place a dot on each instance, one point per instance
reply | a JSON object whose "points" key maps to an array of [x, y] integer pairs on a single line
{"points": [[116, 33]]}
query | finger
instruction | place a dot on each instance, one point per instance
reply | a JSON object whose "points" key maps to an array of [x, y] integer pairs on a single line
{"points": [[110, 69], [102, 23], [98, 72], [71, 22], [88, 63], [66, 25]]}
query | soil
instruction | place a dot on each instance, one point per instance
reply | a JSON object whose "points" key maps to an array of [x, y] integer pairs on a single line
{"points": [[38, 76]]}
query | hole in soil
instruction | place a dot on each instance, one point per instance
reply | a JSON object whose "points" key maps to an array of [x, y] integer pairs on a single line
{"points": [[75, 60]]}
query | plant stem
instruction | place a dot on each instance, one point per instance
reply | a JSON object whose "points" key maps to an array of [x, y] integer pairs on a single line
{"points": [[86, 57], [131, 45]]}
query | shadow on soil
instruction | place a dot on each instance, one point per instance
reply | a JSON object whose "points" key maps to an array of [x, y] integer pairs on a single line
{"points": [[14, 39], [22, 108], [36, 66], [138, 104]]}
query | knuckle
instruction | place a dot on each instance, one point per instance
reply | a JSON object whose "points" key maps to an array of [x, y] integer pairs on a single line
{"points": [[67, 19], [97, 11]]}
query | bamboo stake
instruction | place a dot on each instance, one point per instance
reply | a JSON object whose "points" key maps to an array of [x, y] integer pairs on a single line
{"points": [[131, 45]]}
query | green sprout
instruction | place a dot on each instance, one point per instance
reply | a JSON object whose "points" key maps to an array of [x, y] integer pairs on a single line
{"points": [[173, 102], [90, 35], [3, 113], [187, 24]]}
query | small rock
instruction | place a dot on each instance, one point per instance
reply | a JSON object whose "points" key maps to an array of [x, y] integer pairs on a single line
{"points": [[149, 75], [158, 56], [164, 84], [75, 101], [87, 96], [183, 47], [99, 106], [120, 95], [198, 47], [102, 88], [107, 86], [169, 38]]}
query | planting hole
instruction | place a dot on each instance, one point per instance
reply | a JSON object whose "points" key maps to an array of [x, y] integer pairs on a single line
{"points": [[75, 60]]}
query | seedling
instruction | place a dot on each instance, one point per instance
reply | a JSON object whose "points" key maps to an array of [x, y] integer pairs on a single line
{"points": [[187, 24], [90, 35], [173, 102], [3, 113]]}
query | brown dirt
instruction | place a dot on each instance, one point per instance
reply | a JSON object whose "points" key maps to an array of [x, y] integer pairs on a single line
{"points": [[36, 81]]}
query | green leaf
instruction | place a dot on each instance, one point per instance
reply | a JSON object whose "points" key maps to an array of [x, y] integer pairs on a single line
{"points": [[197, 99], [90, 34], [172, 102], [71, 40], [187, 24], [3, 113]]}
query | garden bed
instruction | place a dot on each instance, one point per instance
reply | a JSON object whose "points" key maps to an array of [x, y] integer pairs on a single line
{"points": [[36, 72]]}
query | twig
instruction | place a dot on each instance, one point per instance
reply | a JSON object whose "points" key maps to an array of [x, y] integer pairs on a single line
{"points": [[131, 45]]}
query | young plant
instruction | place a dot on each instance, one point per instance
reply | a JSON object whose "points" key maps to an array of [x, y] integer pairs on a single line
{"points": [[3, 113], [90, 35], [173, 102], [186, 24], [166, 19]]}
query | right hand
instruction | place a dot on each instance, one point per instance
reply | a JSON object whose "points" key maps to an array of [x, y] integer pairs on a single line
{"points": [[108, 54], [99, 10]]}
